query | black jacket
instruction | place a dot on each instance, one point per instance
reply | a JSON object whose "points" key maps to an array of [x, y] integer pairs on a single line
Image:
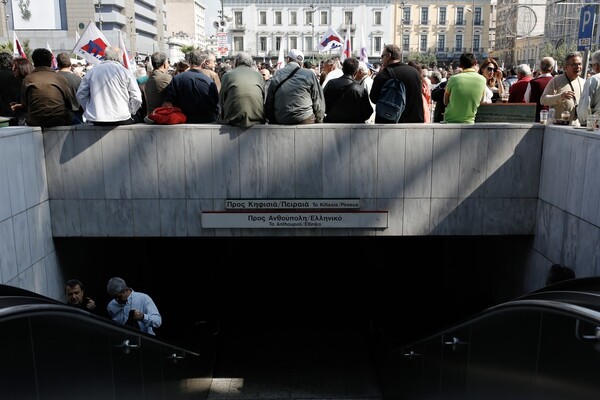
{"points": [[346, 101], [412, 82]]}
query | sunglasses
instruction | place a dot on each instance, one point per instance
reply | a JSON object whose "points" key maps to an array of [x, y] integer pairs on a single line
{"points": [[491, 69]]}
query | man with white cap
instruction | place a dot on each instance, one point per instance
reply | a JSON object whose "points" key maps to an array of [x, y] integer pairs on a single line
{"points": [[132, 308], [294, 95]]}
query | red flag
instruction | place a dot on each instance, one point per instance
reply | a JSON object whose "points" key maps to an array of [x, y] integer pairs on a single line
{"points": [[17, 48], [347, 48], [54, 63], [126, 62]]}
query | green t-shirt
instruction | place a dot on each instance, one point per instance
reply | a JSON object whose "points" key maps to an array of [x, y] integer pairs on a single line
{"points": [[466, 90]]}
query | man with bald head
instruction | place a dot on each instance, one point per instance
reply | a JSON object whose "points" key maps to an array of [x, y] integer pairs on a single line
{"points": [[536, 86]]}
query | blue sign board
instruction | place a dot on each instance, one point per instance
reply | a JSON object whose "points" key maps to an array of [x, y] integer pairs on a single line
{"points": [[586, 28]]}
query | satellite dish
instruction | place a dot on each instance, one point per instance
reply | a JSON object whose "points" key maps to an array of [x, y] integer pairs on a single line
{"points": [[216, 24]]}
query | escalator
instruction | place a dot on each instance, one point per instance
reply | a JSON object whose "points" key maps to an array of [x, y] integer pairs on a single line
{"points": [[545, 345], [54, 351]]}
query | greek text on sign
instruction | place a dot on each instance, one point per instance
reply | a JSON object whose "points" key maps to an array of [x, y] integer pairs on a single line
{"points": [[290, 204], [295, 220]]}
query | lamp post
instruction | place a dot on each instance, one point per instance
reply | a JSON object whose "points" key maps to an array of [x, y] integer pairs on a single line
{"points": [[402, 5], [312, 24], [98, 6], [6, 13], [131, 21]]}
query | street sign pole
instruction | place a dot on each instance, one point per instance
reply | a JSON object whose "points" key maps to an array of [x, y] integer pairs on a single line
{"points": [[586, 29]]}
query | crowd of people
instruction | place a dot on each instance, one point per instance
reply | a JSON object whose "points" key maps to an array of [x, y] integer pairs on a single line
{"points": [[241, 92]]}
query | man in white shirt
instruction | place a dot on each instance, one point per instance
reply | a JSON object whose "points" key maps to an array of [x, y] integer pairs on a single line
{"points": [[590, 98], [109, 92]]}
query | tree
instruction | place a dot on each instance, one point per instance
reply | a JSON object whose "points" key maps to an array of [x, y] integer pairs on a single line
{"points": [[558, 52], [421, 58], [8, 47], [188, 48]]}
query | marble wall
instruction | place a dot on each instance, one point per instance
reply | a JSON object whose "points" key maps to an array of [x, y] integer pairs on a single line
{"points": [[27, 255], [145, 180], [434, 180]]}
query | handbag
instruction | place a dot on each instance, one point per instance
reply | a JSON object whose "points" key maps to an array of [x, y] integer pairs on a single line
{"points": [[167, 115]]}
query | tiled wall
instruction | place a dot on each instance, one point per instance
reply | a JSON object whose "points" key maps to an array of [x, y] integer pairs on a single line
{"points": [[145, 180], [27, 255], [440, 179]]}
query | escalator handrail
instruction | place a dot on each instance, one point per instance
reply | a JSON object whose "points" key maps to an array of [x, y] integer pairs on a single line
{"points": [[59, 309], [558, 307]]}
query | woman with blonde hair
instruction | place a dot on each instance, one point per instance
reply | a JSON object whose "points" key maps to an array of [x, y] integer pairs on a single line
{"points": [[493, 76]]}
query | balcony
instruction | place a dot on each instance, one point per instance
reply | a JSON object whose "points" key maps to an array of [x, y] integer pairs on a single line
{"points": [[427, 23], [237, 28], [344, 27], [461, 22]]}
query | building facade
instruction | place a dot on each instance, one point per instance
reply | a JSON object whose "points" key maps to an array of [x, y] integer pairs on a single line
{"points": [[57, 22], [263, 27]]}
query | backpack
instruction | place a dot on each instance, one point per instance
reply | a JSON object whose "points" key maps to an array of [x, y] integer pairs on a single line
{"points": [[392, 101]]}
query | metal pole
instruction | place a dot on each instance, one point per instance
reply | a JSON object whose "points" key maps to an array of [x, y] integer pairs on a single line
{"points": [[473, 29], [6, 13], [312, 23], [402, 31], [99, 8]]}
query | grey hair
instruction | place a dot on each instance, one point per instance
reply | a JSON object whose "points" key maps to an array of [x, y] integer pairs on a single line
{"points": [[595, 57], [113, 54], [158, 59], [243, 58], [523, 69], [547, 64], [570, 55], [437, 75], [196, 58]]}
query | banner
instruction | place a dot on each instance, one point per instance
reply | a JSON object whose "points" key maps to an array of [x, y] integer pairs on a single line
{"points": [[54, 63], [281, 59], [364, 55], [17, 48], [331, 40], [126, 60], [347, 48], [91, 45]]}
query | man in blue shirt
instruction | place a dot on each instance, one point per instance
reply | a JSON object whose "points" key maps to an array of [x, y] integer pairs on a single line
{"points": [[132, 308], [195, 93]]}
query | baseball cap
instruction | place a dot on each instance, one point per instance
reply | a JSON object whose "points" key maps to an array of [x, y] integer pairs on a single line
{"points": [[296, 55]]}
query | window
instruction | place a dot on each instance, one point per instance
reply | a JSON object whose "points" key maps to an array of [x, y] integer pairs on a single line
{"points": [[262, 44], [424, 15], [308, 44], [238, 43], [406, 15], [460, 16], [347, 18], [477, 16], [262, 18], [278, 41], [293, 18], [308, 18], [441, 44], [405, 42], [442, 16], [238, 18], [459, 42], [293, 42], [423, 43], [377, 18], [476, 40], [323, 18], [277, 18], [377, 47]]}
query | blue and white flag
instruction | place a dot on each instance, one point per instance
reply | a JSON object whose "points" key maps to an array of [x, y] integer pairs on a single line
{"points": [[91, 45], [331, 40]]}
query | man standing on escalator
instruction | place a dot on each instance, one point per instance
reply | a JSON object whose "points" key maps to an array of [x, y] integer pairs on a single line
{"points": [[132, 308]]}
